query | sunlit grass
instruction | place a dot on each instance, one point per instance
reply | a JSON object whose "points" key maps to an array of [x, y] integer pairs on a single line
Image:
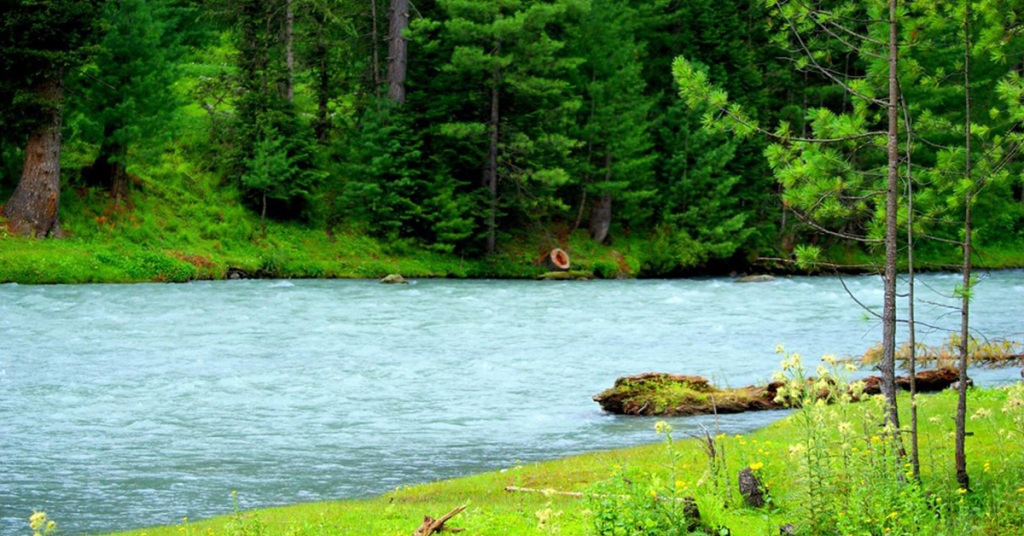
{"points": [[995, 462]]}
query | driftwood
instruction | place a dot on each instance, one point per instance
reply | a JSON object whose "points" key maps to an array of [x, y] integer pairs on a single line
{"points": [[431, 525]]}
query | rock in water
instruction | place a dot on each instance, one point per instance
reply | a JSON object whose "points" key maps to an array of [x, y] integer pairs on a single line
{"points": [[394, 279], [762, 278]]}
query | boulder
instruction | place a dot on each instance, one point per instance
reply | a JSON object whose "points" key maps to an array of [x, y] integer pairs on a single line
{"points": [[236, 273], [760, 278], [394, 279]]}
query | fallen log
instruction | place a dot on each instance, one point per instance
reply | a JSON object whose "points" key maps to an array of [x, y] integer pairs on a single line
{"points": [[431, 525], [674, 395]]}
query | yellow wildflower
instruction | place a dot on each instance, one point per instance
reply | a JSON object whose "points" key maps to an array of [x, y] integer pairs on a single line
{"points": [[36, 520], [756, 466]]}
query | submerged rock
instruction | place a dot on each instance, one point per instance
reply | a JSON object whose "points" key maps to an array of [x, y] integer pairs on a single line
{"points": [[761, 278]]}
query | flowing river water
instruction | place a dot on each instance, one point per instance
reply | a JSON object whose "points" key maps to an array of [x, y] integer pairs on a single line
{"points": [[125, 406]]}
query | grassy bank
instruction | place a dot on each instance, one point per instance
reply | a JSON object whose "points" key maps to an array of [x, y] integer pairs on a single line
{"points": [[181, 224], [848, 484]]}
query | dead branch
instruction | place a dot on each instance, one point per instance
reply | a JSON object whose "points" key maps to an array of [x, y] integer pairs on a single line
{"points": [[431, 525]]}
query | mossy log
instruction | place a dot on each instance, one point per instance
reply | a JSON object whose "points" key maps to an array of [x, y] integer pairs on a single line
{"points": [[675, 395], [669, 395], [571, 275]]}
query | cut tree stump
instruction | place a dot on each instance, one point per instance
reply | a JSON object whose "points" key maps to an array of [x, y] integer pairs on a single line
{"points": [[431, 525]]}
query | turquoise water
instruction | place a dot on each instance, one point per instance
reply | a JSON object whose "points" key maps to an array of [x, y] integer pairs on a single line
{"points": [[125, 406]]}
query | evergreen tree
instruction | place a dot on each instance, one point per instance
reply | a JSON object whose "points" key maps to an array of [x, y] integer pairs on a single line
{"points": [[716, 198], [124, 96], [616, 156], [40, 42], [520, 122], [267, 114]]}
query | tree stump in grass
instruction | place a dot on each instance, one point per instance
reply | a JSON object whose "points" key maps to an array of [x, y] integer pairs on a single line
{"points": [[751, 488], [557, 260]]}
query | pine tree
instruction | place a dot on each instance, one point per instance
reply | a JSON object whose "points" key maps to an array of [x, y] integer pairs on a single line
{"points": [[124, 95], [39, 44], [520, 121], [616, 155]]}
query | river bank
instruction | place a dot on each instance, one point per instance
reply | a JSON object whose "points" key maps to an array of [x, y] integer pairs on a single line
{"points": [[991, 507], [290, 253]]}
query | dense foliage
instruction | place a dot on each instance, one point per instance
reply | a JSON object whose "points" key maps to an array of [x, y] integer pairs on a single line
{"points": [[518, 119]]}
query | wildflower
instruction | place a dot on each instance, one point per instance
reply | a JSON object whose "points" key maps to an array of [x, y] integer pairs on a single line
{"points": [[779, 349], [821, 370], [51, 525], [796, 450], [850, 367], [830, 359], [845, 427], [654, 493], [982, 413], [987, 467], [893, 515], [662, 427], [36, 520], [876, 439], [1020, 490], [756, 466], [961, 491], [934, 420]]}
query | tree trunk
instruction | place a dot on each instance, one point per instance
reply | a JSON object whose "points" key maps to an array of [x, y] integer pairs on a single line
{"points": [[323, 87], [601, 218], [376, 55], [492, 159], [108, 170], [289, 50], [887, 366], [962, 478], [33, 208], [601, 215], [397, 50], [915, 456]]}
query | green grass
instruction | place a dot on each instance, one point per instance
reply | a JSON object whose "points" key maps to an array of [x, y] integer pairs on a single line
{"points": [[182, 223], [996, 464]]}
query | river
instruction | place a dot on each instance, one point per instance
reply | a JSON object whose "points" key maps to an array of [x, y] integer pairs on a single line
{"points": [[125, 406]]}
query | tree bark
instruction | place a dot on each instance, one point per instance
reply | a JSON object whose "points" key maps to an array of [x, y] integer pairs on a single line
{"points": [[33, 208], [601, 218], [491, 173], [289, 50], [323, 86], [887, 366], [962, 478], [397, 50], [376, 55]]}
